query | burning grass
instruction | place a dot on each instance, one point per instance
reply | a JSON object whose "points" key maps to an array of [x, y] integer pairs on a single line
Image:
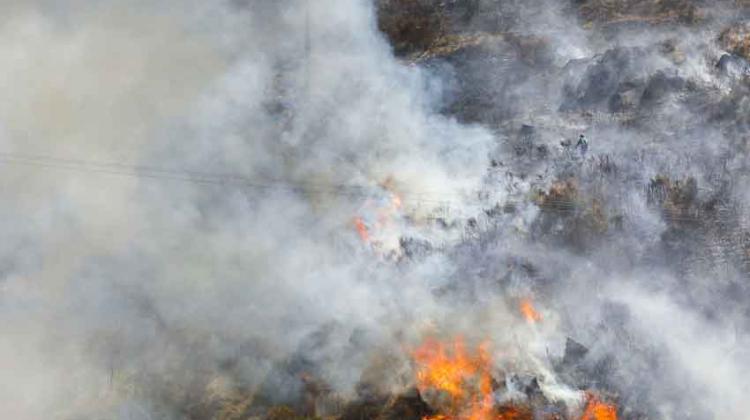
{"points": [[451, 379], [461, 380], [528, 311], [598, 410], [459, 383]]}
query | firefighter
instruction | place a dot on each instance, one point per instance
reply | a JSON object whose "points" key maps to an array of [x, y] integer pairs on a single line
{"points": [[582, 145]]}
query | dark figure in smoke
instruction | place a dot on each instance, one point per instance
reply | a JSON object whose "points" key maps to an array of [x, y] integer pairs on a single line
{"points": [[582, 145]]}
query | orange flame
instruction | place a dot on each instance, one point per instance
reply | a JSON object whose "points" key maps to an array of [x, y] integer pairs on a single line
{"points": [[380, 216], [529, 313], [598, 410], [359, 224], [465, 378]]}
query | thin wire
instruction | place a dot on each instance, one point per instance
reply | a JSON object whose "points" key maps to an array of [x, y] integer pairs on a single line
{"points": [[143, 171], [205, 178]]}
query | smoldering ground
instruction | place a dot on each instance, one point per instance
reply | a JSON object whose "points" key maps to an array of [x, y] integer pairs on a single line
{"points": [[180, 182]]}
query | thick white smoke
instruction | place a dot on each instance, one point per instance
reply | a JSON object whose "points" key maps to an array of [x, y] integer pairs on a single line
{"points": [[121, 291], [181, 182]]}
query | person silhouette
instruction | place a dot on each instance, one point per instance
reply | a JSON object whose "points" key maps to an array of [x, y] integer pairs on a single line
{"points": [[582, 145]]}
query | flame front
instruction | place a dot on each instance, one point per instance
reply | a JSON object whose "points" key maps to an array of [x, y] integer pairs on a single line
{"points": [[464, 378], [461, 382], [598, 410]]}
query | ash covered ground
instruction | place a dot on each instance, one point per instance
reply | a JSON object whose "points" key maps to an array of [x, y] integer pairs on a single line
{"points": [[350, 209]]}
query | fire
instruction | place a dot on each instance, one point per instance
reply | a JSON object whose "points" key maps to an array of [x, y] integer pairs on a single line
{"points": [[379, 220], [364, 234], [529, 313], [463, 377], [598, 410], [462, 381]]}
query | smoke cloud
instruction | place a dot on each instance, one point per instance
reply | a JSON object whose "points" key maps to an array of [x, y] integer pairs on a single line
{"points": [[204, 197]]}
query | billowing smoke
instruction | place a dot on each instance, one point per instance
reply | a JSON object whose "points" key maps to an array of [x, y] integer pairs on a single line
{"points": [[212, 201], [181, 182]]}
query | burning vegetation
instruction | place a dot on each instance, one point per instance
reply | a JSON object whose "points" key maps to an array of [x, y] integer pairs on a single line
{"points": [[462, 380], [386, 210], [453, 380], [448, 379], [529, 312]]}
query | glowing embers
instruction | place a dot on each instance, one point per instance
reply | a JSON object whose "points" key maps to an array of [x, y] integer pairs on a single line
{"points": [[364, 234], [598, 410], [379, 221], [461, 380], [526, 306]]}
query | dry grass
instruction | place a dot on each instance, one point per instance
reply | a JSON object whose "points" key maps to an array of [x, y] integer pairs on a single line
{"points": [[646, 11], [736, 39], [411, 25]]}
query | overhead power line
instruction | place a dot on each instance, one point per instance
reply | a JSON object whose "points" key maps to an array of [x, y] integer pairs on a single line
{"points": [[206, 178], [239, 181]]}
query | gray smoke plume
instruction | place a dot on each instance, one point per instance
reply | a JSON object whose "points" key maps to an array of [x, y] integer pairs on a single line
{"points": [[124, 286], [210, 196]]}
